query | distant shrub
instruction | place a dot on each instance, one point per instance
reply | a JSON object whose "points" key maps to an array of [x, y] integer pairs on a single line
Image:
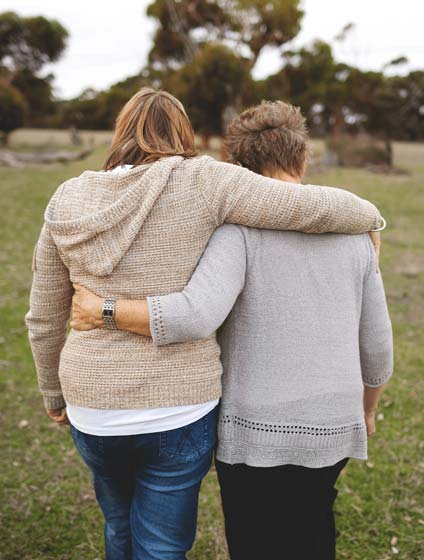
{"points": [[358, 151]]}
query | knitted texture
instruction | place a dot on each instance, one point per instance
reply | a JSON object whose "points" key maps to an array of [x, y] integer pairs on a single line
{"points": [[305, 326], [139, 234]]}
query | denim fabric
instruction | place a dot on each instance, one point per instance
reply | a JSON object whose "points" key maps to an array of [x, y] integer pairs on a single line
{"points": [[147, 487]]}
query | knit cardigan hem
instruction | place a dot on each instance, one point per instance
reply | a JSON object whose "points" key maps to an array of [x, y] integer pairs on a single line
{"points": [[233, 452], [268, 444]]}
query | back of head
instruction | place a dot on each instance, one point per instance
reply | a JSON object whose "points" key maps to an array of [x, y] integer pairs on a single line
{"points": [[267, 138], [151, 125]]}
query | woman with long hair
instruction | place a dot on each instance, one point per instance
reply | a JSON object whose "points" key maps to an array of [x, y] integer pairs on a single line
{"points": [[143, 417]]}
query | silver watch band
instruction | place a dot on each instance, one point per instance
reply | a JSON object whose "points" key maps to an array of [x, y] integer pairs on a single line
{"points": [[383, 225], [108, 313]]}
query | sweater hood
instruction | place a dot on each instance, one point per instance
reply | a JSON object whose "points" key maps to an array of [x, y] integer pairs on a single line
{"points": [[94, 218]]}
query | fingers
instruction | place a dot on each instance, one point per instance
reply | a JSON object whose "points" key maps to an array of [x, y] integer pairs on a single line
{"points": [[370, 424], [81, 325], [375, 237], [79, 288], [59, 416], [63, 420]]}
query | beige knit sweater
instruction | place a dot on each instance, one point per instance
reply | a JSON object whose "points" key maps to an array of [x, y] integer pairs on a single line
{"points": [[142, 233]]}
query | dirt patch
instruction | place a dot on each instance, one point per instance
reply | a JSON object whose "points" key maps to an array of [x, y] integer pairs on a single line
{"points": [[409, 264]]}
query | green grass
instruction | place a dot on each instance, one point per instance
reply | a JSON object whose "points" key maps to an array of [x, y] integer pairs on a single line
{"points": [[47, 508]]}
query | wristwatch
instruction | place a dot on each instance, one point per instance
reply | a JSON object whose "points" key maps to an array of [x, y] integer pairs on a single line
{"points": [[108, 313]]}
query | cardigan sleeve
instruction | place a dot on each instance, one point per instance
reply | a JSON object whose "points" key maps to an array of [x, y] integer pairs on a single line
{"points": [[209, 296], [50, 305], [375, 328], [236, 195]]}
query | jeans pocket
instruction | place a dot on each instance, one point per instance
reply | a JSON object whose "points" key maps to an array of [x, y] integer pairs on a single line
{"points": [[88, 446], [190, 442]]}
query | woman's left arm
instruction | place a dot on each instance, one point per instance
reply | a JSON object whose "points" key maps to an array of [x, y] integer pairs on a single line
{"points": [[50, 305]]}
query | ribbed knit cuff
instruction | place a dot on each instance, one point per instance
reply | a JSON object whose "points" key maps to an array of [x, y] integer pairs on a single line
{"points": [[54, 401]]}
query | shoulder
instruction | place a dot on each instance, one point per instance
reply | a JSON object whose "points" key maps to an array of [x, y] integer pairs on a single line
{"points": [[61, 193], [353, 248], [362, 243], [229, 239], [211, 168]]}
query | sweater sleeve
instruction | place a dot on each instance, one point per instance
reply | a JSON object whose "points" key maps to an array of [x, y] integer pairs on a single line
{"points": [[50, 305], [205, 302], [375, 329], [237, 195]]}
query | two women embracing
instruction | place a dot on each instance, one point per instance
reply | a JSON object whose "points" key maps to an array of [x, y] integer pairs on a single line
{"points": [[209, 317]]}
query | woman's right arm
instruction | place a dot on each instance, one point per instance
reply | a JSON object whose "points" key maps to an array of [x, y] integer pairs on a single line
{"points": [[50, 305], [239, 196]]}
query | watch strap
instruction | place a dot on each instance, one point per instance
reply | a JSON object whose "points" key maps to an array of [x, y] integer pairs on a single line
{"points": [[108, 313]]}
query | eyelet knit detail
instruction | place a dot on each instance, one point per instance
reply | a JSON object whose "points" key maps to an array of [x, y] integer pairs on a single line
{"points": [[265, 444], [376, 381], [158, 320], [290, 428]]}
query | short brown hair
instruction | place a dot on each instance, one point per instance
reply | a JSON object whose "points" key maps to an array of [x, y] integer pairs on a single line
{"points": [[151, 125], [269, 136]]}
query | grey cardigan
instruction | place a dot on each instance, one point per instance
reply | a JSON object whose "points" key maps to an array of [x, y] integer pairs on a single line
{"points": [[308, 329]]}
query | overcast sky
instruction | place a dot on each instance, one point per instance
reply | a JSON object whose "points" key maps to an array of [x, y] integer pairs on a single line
{"points": [[110, 40]]}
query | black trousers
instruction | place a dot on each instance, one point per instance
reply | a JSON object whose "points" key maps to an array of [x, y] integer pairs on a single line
{"points": [[279, 513]]}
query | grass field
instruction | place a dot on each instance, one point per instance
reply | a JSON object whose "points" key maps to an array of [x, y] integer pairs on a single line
{"points": [[47, 509]]}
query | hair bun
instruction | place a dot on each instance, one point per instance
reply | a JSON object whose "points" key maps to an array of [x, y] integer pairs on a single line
{"points": [[272, 134], [270, 115]]}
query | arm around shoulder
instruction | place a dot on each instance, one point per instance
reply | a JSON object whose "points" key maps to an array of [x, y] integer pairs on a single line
{"points": [[236, 195]]}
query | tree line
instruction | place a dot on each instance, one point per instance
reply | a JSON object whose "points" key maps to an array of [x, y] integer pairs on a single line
{"points": [[204, 52]]}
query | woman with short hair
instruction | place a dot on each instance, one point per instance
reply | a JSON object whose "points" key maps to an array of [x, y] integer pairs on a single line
{"points": [[143, 417]]}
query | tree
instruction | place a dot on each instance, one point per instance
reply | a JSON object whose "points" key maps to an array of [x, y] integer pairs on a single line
{"points": [[207, 49], [38, 94], [29, 43], [182, 27], [215, 80], [26, 45], [244, 25], [98, 109], [313, 80], [391, 107], [12, 110], [411, 90], [265, 23]]}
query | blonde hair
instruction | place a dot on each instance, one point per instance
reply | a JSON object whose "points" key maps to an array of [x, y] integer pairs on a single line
{"points": [[151, 125], [269, 136]]}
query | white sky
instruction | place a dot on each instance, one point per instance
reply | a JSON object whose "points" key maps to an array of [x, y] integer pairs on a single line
{"points": [[110, 40]]}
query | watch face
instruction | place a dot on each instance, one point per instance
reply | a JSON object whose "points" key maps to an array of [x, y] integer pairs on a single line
{"points": [[108, 313]]}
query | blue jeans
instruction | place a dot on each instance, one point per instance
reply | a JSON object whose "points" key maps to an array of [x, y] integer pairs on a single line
{"points": [[147, 486]]}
